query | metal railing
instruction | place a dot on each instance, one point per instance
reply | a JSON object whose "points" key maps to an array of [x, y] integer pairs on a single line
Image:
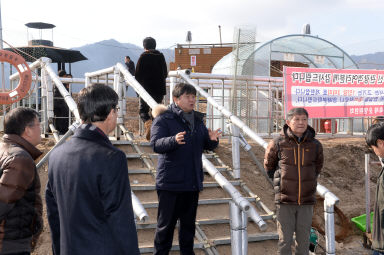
{"points": [[330, 200], [49, 79], [120, 77]]}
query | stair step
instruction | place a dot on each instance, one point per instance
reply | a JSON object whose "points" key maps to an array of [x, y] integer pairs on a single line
{"points": [[251, 238], [205, 185], [139, 171], [176, 247], [125, 142], [155, 155], [219, 241], [201, 202], [199, 222], [147, 171]]}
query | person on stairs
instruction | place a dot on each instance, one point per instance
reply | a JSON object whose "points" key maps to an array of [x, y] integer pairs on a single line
{"points": [[88, 194], [151, 72], [179, 135]]}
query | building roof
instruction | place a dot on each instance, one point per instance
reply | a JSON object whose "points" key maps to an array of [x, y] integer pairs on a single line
{"points": [[304, 48], [40, 25], [31, 53]]}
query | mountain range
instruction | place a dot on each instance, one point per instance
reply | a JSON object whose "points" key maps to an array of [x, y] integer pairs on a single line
{"points": [[370, 61], [107, 53]]}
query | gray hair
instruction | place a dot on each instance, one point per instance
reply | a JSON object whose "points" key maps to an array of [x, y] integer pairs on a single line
{"points": [[296, 111]]}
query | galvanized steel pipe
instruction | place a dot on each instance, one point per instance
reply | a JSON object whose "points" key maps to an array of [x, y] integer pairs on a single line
{"points": [[136, 86], [235, 120], [67, 97], [329, 198], [138, 208], [238, 199], [235, 151]]}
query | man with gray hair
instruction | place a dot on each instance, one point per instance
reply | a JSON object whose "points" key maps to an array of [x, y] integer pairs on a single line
{"points": [[294, 161]]}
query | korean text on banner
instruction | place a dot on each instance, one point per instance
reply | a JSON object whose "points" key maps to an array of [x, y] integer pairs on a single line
{"points": [[334, 93]]}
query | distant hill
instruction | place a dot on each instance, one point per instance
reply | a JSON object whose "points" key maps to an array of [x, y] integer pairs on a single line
{"points": [[370, 61], [107, 53]]}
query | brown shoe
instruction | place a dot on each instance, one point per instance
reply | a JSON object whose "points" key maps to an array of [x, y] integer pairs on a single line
{"points": [[147, 126]]}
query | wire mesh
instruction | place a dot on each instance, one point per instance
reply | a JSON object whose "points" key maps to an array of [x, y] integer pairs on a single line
{"points": [[241, 101]]}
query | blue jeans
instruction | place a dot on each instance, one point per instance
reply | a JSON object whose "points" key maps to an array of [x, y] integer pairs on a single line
{"points": [[377, 253]]}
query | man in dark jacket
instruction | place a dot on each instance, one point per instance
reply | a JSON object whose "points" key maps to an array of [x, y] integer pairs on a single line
{"points": [[179, 135], [130, 65], [151, 72], [20, 201], [375, 140], [294, 161], [88, 194], [60, 107]]}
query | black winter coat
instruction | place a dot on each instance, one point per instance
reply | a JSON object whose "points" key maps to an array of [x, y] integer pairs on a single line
{"points": [[151, 72], [179, 167], [88, 197]]}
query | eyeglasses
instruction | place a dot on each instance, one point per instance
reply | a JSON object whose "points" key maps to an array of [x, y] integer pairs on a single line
{"points": [[117, 109], [34, 125]]}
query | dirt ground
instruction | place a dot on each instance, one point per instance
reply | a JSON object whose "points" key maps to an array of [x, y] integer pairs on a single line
{"points": [[343, 174]]}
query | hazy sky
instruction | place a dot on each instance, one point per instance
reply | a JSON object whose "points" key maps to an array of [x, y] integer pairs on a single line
{"points": [[353, 25]]}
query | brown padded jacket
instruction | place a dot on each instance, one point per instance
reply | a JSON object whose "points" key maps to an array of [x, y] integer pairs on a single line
{"points": [[294, 166], [20, 200]]}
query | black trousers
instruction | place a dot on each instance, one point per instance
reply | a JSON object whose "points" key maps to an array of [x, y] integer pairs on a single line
{"points": [[61, 112], [175, 206], [144, 108]]}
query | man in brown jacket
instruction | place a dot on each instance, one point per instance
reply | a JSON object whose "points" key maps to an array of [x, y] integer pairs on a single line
{"points": [[294, 161], [20, 201]]}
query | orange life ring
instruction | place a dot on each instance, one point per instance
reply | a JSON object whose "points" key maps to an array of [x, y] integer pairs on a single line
{"points": [[25, 74]]}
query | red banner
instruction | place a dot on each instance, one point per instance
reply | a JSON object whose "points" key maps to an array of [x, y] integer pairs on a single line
{"points": [[334, 93]]}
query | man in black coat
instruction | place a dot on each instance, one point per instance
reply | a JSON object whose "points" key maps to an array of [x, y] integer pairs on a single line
{"points": [[179, 135], [130, 65], [151, 72], [88, 194]]}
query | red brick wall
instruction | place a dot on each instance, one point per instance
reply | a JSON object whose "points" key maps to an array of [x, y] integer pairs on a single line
{"points": [[206, 58]]}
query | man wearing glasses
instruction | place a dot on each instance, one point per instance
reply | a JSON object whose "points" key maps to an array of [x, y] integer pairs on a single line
{"points": [[20, 201]]}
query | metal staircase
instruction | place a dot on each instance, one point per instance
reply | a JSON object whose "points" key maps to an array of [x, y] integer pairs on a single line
{"points": [[213, 231]]}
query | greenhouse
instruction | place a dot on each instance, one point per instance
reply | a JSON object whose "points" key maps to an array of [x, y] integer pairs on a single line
{"points": [[261, 105], [301, 50]]}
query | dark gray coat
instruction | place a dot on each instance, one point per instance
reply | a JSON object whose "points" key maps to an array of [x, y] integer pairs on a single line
{"points": [[179, 166], [89, 197]]}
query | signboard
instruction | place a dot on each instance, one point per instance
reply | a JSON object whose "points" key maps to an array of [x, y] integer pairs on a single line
{"points": [[334, 93], [289, 57], [193, 60]]}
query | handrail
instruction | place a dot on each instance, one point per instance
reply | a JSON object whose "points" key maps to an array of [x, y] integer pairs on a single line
{"points": [[235, 120], [59, 85], [45, 64], [223, 182]]}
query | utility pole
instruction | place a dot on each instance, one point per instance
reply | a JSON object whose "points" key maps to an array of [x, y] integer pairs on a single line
{"points": [[221, 43]]}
